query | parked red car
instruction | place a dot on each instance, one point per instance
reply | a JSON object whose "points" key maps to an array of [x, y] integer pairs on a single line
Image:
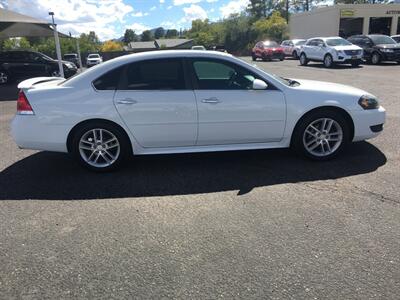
{"points": [[267, 50]]}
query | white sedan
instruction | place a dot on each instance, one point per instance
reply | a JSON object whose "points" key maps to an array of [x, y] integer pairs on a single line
{"points": [[188, 101]]}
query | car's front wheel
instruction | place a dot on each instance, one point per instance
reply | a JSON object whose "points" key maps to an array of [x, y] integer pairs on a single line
{"points": [[375, 58], [321, 135], [328, 61], [303, 59], [100, 146]]}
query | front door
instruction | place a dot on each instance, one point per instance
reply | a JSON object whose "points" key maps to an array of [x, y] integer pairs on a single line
{"points": [[157, 105], [230, 111]]}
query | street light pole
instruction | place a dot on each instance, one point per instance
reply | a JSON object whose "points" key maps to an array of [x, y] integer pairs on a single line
{"points": [[58, 48]]}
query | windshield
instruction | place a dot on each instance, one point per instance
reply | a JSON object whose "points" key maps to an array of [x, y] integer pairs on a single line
{"points": [[381, 39], [45, 56], [270, 44], [299, 43], [93, 56], [337, 42], [69, 56]]}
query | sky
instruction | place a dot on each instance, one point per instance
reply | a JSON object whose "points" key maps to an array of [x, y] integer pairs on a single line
{"points": [[110, 18]]}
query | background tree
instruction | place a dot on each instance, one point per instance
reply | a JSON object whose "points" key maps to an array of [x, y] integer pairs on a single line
{"points": [[257, 8], [130, 36], [146, 36], [111, 46], [159, 33], [172, 33]]}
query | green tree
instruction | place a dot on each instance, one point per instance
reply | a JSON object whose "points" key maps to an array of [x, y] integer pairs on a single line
{"points": [[171, 33], [159, 33], [274, 27], [257, 8], [16, 43], [130, 36], [146, 36]]}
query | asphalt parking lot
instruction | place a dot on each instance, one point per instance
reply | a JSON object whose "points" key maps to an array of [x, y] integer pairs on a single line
{"points": [[249, 224]]}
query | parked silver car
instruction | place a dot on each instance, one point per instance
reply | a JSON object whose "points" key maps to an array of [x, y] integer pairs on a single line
{"points": [[292, 47]]}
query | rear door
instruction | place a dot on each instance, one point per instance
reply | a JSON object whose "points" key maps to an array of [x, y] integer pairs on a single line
{"points": [[157, 103], [230, 111]]}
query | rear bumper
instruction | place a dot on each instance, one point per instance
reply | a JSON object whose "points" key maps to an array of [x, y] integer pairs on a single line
{"points": [[29, 133], [368, 123]]}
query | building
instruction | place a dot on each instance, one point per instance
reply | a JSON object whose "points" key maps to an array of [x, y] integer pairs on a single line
{"points": [[345, 20], [160, 44]]}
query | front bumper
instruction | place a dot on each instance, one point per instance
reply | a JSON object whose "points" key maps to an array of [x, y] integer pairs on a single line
{"points": [[348, 59], [390, 56], [368, 123]]}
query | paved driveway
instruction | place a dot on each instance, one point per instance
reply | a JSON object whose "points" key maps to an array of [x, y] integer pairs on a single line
{"points": [[251, 224]]}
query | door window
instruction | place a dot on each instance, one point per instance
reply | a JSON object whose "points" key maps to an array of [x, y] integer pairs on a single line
{"points": [[216, 75], [158, 74], [109, 81]]}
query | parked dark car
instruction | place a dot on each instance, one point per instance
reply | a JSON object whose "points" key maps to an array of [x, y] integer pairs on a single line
{"points": [[220, 48], [396, 38], [72, 57], [377, 47], [267, 50], [18, 64]]}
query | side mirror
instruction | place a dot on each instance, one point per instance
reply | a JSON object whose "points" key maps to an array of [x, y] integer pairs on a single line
{"points": [[259, 85]]}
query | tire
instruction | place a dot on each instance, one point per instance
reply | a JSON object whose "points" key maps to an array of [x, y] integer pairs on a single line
{"points": [[303, 59], [55, 73], [321, 145], [355, 64], [253, 57], [375, 58], [100, 156], [328, 61], [282, 58], [294, 55], [4, 78]]}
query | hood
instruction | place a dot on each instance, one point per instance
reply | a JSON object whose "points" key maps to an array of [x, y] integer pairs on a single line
{"points": [[348, 47], [388, 46], [322, 86]]}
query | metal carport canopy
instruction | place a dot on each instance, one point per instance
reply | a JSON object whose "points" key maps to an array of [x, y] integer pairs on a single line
{"points": [[13, 24]]}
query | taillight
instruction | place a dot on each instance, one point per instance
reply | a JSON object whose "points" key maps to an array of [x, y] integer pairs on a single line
{"points": [[23, 106]]}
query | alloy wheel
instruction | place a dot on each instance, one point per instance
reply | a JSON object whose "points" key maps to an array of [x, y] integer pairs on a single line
{"points": [[303, 59], [99, 147], [322, 137], [3, 78], [55, 73], [375, 58], [328, 61]]}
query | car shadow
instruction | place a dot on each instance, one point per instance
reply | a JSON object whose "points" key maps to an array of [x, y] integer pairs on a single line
{"points": [[55, 176], [334, 67]]}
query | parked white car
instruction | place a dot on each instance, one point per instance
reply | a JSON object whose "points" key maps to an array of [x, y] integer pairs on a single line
{"points": [[330, 51], [188, 101], [293, 47], [93, 59]]}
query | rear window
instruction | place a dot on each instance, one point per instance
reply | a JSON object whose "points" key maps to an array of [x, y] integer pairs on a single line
{"points": [[109, 81], [158, 74], [70, 56]]}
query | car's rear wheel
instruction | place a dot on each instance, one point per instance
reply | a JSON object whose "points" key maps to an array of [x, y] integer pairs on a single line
{"points": [[321, 135], [3, 77], [100, 146], [375, 58], [303, 59], [328, 61]]}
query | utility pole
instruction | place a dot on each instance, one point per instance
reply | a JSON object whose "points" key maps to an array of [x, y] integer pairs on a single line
{"points": [[57, 41]]}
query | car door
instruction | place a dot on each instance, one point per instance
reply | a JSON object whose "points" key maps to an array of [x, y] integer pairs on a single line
{"points": [[309, 49], [35, 65], [157, 104], [230, 111], [320, 50]]}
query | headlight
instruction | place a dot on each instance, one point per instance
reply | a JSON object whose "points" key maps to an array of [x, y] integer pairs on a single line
{"points": [[368, 102], [387, 50], [339, 52]]}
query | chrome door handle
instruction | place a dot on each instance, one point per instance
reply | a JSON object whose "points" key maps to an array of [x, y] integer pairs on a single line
{"points": [[126, 101], [211, 100]]}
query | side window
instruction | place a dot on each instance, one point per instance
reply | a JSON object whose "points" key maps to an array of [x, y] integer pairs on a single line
{"points": [[158, 74], [215, 75], [310, 43], [110, 80]]}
